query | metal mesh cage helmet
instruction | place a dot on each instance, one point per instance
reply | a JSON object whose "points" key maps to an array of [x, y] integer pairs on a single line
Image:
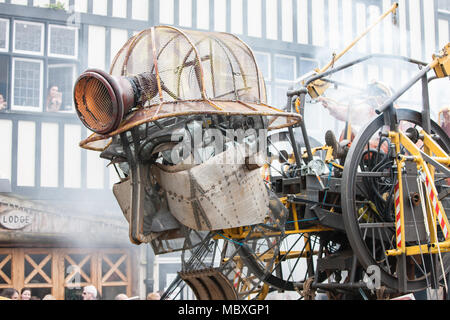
{"points": [[196, 73]]}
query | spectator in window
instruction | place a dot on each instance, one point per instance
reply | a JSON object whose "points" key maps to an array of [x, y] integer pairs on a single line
{"points": [[54, 99], [2, 102], [25, 294]]}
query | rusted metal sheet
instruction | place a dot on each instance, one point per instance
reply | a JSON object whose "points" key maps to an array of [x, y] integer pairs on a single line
{"points": [[209, 284], [218, 194], [122, 192]]}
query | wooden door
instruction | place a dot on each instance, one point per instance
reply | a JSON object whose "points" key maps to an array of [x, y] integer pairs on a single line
{"points": [[6, 270], [63, 272]]}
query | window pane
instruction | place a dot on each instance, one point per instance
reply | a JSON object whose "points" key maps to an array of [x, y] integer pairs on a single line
{"points": [[287, 22], [72, 156], [302, 21], [20, 2], [429, 25], [119, 8], [166, 9], [220, 9], [254, 18], [27, 83], [95, 171], [347, 17], [41, 3], [4, 77], [388, 28], [63, 41], [307, 65], [81, 6], [4, 34], [444, 5], [443, 33], [236, 17], [26, 153], [100, 7], [280, 97], [60, 81], [361, 25], [140, 10], [271, 19], [6, 143], [415, 29], [96, 47], [284, 68], [318, 24], [118, 38], [263, 62], [49, 155], [203, 14], [375, 39], [28, 37], [333, 10], [185, 10]]}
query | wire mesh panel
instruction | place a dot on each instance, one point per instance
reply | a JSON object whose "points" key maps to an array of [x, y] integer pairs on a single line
{"points": [[186, 72]]}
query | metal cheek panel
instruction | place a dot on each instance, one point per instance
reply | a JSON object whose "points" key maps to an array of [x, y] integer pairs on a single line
{"points": [[216, 194]]}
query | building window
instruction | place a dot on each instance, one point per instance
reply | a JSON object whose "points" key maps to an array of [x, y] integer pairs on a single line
{"points": [[203, 14], [4, 78], [281, 98], [119, 8], [4, 34], [263, 62], [307, 65], [166, 9], [444, 5], [100, 7], [28, 37], [27, 84], [139, 10], [254, 9], [285, 67], [60, 84], [63, 41]]}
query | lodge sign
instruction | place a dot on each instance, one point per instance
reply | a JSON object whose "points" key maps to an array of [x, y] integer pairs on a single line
{"points": [[15, 219]]}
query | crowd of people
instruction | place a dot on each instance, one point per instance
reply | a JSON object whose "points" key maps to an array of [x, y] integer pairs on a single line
{"points": [[24, 294], [89, 293]]}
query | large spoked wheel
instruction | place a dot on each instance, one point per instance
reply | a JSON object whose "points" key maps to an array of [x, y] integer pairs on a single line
{"points": [[368, 204]]}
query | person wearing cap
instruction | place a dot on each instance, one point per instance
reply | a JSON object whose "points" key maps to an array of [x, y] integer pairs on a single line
{"points": [[89, 293]]}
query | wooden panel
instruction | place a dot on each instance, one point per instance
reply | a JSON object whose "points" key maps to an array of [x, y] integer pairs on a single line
{"points": [[61, 268], [5, 276], [18, 268], [39, 270]]}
